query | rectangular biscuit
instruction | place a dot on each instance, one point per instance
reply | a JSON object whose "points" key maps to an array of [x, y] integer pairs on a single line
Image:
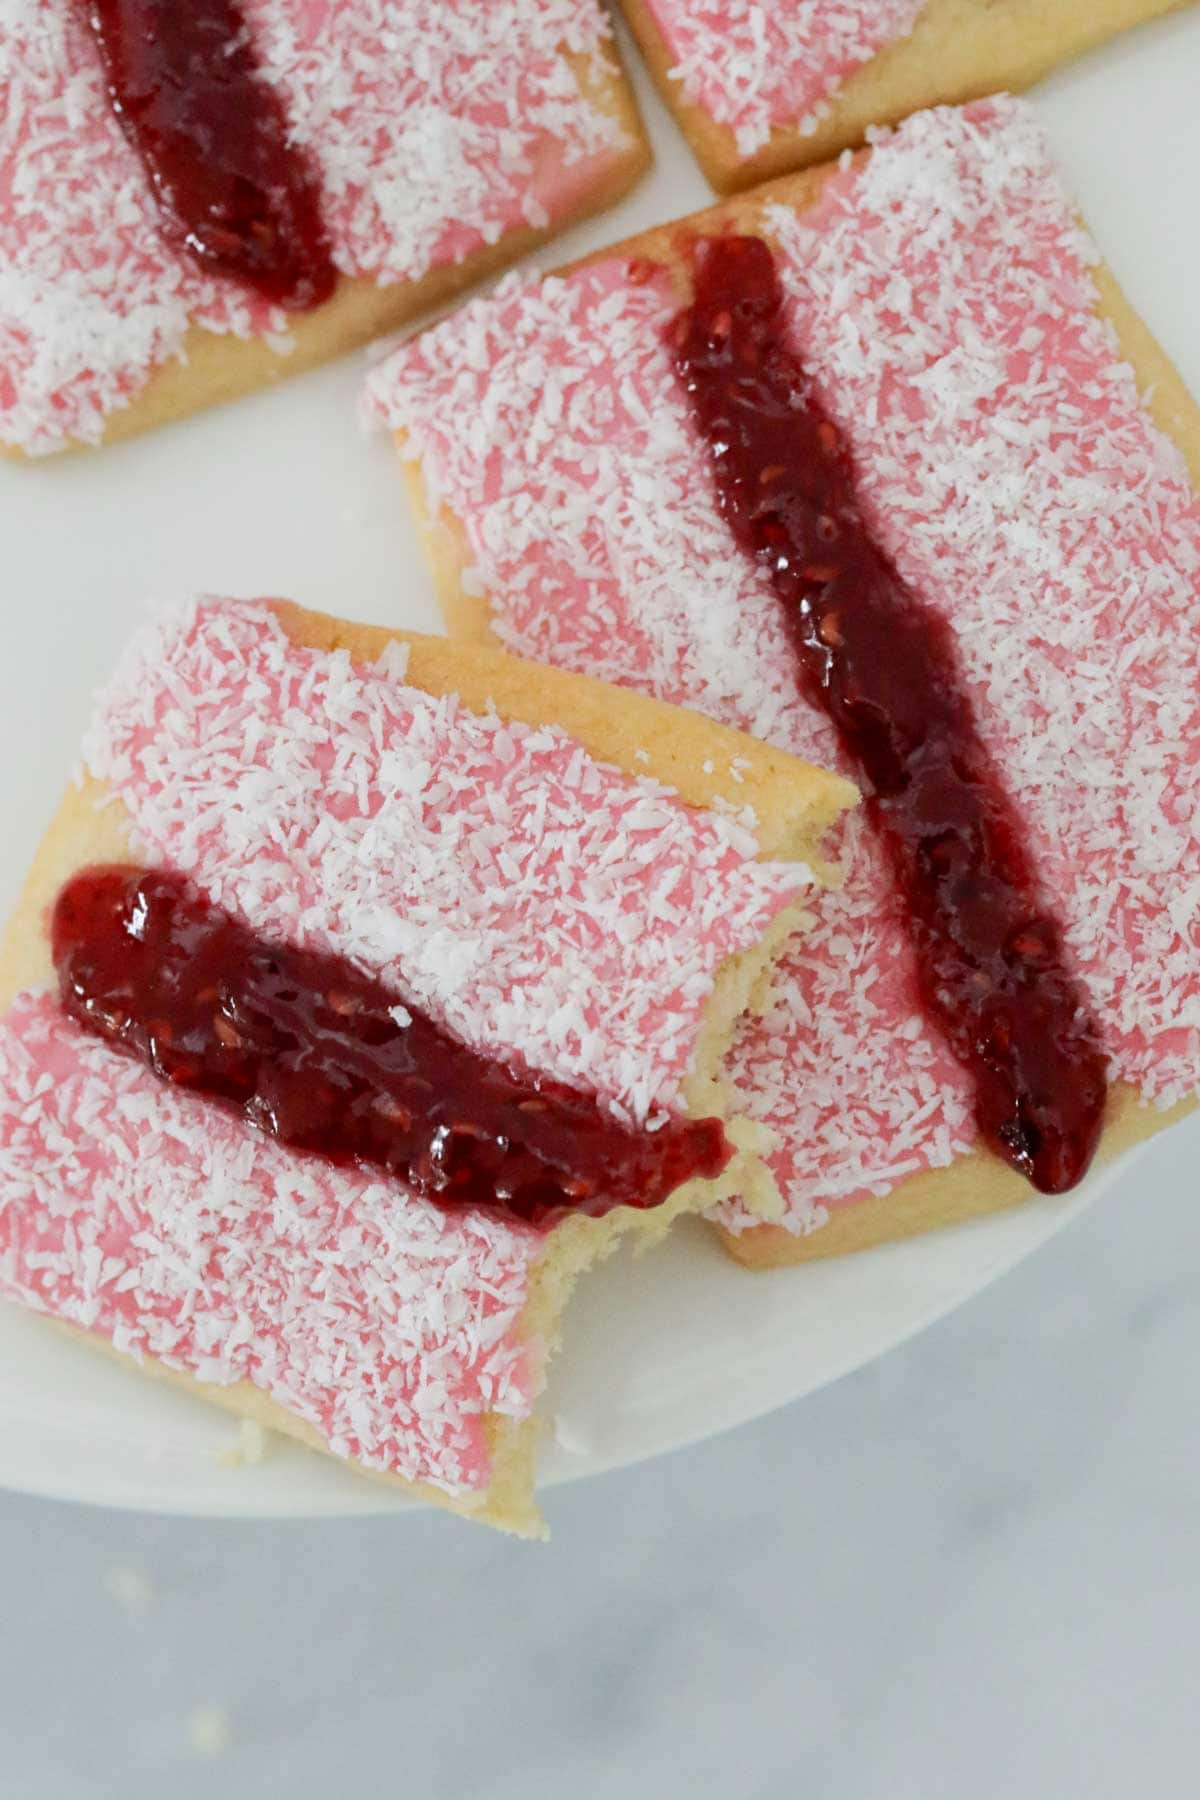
{"points": [[758, 90], [533, 861], [436, 166], [956, 321]]}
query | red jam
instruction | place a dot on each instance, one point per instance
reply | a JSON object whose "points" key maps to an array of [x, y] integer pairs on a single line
{"points": [[325, 1059], [992, 968], [213, 138]]}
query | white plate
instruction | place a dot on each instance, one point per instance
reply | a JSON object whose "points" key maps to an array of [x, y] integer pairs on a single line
{"points": [[283, 495]]}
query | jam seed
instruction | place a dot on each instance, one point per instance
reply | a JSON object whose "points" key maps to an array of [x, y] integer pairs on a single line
{"points": [[345, 1005]]}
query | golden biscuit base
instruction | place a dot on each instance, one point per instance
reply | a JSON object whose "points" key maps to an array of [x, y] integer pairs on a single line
{"points": [[794, 803], [218, 366], [959, 50], [979, 1183]]}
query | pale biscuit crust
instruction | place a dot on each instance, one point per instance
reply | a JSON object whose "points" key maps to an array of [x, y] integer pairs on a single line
{"points": [[959, 50], [216, 367], [979, 1183], [794, 803]]}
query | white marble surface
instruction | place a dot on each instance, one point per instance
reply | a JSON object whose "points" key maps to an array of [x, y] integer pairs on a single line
{"points": [[970, 1571]]}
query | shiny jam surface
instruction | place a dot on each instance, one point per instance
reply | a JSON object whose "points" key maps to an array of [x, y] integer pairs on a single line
{"points": [[992, 970], [213, 138], [325, 1059]]}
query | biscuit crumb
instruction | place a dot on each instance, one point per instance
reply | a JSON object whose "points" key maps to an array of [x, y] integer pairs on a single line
{"points": [[131, 1589], [249, 1447], [208, 1731], [568, 1437]]}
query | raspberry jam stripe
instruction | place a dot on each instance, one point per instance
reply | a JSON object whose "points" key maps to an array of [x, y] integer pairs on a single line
{"points": [[323, 1058], [213, 138], [992, 970]]}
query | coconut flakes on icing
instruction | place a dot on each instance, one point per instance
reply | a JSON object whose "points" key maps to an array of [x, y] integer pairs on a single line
{"points": [[540, 904], [139, 1211], [942, 299], [433, 130], [752, 66]]}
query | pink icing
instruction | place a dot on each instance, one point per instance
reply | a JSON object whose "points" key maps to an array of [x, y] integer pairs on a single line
{"points": [[754, 64], [433, 129], [941, 296], [547, 905]]}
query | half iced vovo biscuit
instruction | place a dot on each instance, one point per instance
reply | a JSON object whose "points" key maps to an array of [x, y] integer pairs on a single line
{"points": [[365, 990]]}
